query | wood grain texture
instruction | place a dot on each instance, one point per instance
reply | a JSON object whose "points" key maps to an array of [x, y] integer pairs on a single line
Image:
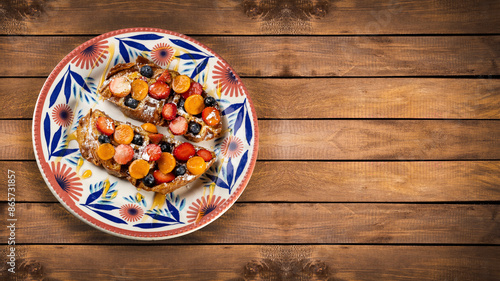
{"points": [[289, 56], [255, 262], [378, 139], [329, 182], [337, 139], [332, 98], [252, 17], [289, 223]]}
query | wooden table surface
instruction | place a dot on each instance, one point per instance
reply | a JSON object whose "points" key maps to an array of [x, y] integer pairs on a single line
{"points": [[379, 153]]}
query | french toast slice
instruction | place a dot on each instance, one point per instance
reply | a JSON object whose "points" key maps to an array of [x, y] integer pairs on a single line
{"points": [[162, 89], [91, 135]]}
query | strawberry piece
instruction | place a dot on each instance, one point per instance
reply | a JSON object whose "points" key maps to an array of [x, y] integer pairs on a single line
{"points": [[163, 178], [159, 90], [120, 87], [184, 151], [105, 125], [211, 116], [165, 77], [195, 89], [178, 126], [124, 153], [205, 154], [169, 111], [152, 152], [155, 138]]}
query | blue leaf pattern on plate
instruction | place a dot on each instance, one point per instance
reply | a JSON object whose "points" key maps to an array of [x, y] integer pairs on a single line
{"points": [[185, 45], [149, 36]]}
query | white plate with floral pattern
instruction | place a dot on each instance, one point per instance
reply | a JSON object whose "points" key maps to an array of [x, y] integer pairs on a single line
{"points": [[112, 204]]}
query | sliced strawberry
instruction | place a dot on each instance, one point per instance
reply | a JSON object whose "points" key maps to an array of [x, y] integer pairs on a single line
{"points": [[152, 152], [178, 126], [155, 138], [169, 111], [194, 89], [124, 153], [205, 154], [120, 87], [159, 90], [105, 125], [163, 178], [165, 77], [184, 151]]}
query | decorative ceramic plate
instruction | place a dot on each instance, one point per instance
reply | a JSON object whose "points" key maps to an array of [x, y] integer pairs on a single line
{"points": [[112, 204]]}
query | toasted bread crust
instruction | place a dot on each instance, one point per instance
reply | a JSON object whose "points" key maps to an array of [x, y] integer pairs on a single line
{"points": [[87, 137]]}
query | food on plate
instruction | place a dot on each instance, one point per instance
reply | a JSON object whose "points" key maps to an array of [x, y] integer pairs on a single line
{"points": [[149, 161], [146, 92]]}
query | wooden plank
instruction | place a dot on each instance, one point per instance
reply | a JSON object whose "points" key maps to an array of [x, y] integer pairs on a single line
{"points": [[378, 139], [254, 262], [337, 139], [329, 182], [289, 56], [332, 98], [253, 17], [289, 223]]}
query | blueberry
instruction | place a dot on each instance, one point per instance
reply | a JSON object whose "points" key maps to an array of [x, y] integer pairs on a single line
{"points": [[103, 139], [149, 180], [166, 147], [147, 71], [138, 139], [180, 170], [194, 128], [210, 101], [131, 102], [180, 104]]}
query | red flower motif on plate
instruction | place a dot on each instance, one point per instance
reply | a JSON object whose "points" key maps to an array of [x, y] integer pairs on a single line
{"points": [[62, 115], [131, 212], [232, 147], [91, 56], [202, 207], [226, 80], [67, 180], [162, 54]]}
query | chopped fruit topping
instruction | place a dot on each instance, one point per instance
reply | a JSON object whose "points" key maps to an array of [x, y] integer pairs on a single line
{"points": [[166, 163], [105, 125], [180, 170], [120, 87], [146, 71], [124, 153], [138, 169], [103, 139], [194, 128], [210, 101], [148, 127], [205, 154], [138, 139], [149, 180], [166, 147], [194, 104], [155, 138], [181, 84], [196, 165], [105, 151], [178, 126], [152, 152], [169, 111], [211, 116], [194, 89], [139, 89], [160, 177], [159, 90], [124, 134], [131, 102], [184, 151], [180, 104], [165, 77]]}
